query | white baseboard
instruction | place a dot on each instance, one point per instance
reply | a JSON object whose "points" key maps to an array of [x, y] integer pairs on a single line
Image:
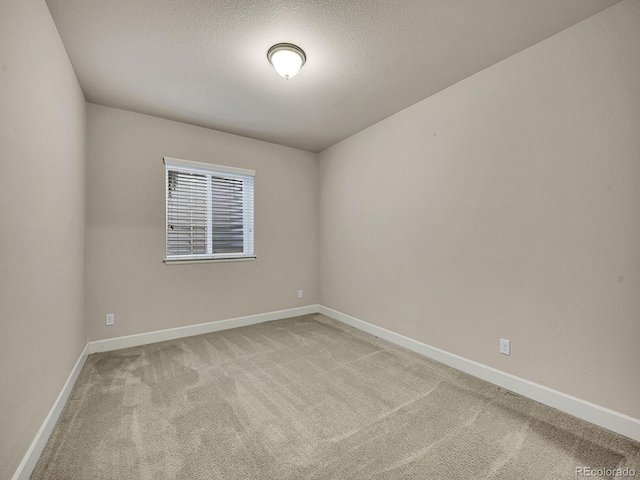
{"points": [[609, 419], [190, 330], [35, 449]]}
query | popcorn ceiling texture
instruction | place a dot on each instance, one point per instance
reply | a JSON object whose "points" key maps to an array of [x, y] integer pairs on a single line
{"points": [[204, 61], [308, 398]]}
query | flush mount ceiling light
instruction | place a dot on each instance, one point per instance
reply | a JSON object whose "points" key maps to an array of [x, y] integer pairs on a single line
{"points": [[286, 58]]}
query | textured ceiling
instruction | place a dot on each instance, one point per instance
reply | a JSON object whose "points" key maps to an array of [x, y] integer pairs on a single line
{"points": [[204, 61]]}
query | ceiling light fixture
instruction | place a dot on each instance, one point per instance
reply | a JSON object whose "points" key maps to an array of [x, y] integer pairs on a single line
{"points": [[286, 58]]}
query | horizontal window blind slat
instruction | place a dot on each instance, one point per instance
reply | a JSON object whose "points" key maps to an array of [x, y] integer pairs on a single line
{"points": [[208, 212]]}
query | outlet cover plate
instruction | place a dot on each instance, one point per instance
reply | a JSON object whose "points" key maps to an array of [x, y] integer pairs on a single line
{"points": [[505, 346]]}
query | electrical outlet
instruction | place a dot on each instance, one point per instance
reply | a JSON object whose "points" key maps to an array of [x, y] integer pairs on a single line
{"points": [[299, 293], [505, 346], [110, 319]]}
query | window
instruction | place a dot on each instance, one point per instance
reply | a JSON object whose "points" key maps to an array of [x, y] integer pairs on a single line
{"points": [[209, 211]]}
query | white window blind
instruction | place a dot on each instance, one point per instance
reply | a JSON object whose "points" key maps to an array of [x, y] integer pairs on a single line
{"points": [[209, 211]]}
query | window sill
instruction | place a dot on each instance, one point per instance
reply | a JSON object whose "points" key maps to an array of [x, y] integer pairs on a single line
{"points": [[185, 261]]}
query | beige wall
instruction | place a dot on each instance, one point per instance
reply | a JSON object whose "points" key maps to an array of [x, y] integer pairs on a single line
{"points": [[42, 156], [126, 221], [505, 206]]}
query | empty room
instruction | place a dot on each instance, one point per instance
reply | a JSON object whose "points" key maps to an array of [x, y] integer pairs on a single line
{"points": [[300, 239]]}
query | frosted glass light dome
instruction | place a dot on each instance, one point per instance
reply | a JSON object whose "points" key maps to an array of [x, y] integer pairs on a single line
{"points": [[286, 58]]}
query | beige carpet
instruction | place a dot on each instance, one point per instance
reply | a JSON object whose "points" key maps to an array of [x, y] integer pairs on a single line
{"points": [[308, 398]]}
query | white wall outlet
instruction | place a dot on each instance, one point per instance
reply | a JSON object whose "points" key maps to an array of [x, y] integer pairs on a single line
{"points": [[299, 293], [110, 319], [505, 346]]}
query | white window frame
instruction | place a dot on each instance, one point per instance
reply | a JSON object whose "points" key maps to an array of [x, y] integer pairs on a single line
{"points": [[175, 164]]}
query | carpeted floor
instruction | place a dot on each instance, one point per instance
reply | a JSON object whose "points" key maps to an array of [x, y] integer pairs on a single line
{"points": [[308, 398]]}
